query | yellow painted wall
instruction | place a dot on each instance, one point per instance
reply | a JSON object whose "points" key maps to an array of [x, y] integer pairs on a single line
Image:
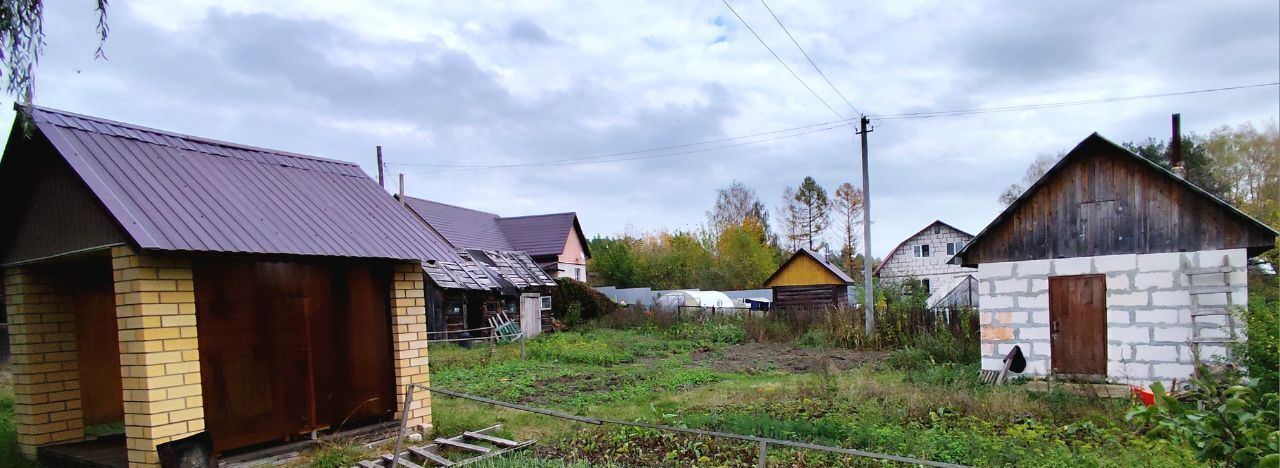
{"points": [[803, 271]]}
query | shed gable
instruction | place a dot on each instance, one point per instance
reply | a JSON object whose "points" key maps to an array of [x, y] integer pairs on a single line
{"points": [[1101, 199], [52, 212], [803, 270]]}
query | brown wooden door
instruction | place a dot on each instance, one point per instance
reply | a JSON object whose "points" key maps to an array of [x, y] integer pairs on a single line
{"points": [[1078, 324], [97, 343]]}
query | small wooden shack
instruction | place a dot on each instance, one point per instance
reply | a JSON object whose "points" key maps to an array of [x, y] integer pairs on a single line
{"points": [[1112, 267], [805, 281]]}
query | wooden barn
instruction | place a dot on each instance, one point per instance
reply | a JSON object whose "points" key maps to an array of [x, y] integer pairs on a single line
{"points": [[805, 281], [1112, 267], [182, 286]]}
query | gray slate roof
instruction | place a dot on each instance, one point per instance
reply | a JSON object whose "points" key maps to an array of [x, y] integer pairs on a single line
{"points": [[173, 192]]}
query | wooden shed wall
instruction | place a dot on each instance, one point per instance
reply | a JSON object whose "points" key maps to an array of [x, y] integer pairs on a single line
{"points": [[810, 297], [49, 210], [1104, 203], [803, 271]]}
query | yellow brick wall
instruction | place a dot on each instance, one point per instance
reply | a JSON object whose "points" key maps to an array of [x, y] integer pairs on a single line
{"points": [[409, 338], [159, 352], [46, 376]]}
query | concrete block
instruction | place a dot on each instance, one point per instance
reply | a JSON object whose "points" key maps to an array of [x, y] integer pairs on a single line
{"points": [[992, 363], [1072, 266], [1039, 301], [995, 270], [1016, 317], [1003, 349], [997, 301], [1119, 282], [1032, 333], [1172, 371], [1135, 334], [1160, 261], [1119, 352], [1128, 299], [1017, 285], [1153, 280], [1128, 372], [1111, 263], [1174, 298], [1040, 317], [1034, 267], [1122, 317], [1209, 353], [1036, 367], [1155, 353], [1039, 285]]}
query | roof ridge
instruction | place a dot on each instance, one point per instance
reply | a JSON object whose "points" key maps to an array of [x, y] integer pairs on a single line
{"points": [[193, 138], [562, 213], [495, 215]]}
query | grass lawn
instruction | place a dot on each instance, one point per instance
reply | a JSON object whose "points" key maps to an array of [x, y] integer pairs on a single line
{"points": [[704, 376]]}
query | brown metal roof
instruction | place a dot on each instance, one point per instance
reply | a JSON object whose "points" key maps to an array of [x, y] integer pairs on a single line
{"points": [[175, 192], [543, 235]]}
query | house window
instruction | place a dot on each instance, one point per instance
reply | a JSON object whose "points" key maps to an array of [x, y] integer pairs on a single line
{"points": [[577, 274], [937, 229], [954, 247], [544, 303], [921, 250], [924, 284]]}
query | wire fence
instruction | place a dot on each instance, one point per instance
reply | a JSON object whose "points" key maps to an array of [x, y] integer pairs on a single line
{"points": [[762, 442]]}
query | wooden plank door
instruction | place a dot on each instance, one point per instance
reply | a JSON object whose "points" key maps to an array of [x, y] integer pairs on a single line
{"points": [[1078, 324]]}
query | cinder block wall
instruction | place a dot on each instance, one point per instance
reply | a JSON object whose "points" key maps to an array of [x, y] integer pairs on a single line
{"points": [[1148, 310], [159, 351], [46, 373], [409, 338]]}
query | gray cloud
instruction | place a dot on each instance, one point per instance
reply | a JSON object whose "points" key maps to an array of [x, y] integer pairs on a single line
{"points": [[477, 85]]}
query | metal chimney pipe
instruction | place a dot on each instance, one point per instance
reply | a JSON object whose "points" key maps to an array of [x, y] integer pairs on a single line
{"points": [[1175, 147]]}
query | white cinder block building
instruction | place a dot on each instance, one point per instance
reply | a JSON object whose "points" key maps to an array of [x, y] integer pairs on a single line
{"points": [[1112, 267], [923, 258]]}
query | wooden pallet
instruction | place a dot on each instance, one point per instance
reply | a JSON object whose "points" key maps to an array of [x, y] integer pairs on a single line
{"points": [[478, 442]]}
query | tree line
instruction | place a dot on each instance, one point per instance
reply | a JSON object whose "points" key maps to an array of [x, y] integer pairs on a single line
{"points": [[738, 246]]}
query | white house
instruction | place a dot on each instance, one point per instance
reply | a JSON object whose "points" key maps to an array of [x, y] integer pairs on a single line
{"points": [[1112, 267], [923, 257]]}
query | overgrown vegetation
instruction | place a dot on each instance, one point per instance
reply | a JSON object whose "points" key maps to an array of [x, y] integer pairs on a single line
{"points": [[574, 302]]}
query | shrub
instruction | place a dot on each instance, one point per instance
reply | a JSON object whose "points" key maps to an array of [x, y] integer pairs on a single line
{"points": [[1223, 421], [1260, 353], [574, 302]]}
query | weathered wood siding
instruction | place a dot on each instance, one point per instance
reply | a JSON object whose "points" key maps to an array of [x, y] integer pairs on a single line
{"points": [[810, 297], [1104, 202], [803, 271]]}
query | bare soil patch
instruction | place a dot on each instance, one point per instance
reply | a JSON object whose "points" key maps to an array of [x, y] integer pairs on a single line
{"points": [[767, 357]]}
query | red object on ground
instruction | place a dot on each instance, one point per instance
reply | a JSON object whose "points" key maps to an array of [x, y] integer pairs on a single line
{"points": [[1146, 396]]}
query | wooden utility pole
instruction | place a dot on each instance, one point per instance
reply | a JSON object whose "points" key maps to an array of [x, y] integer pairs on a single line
{"points": [[868, 298], [381, 183]]}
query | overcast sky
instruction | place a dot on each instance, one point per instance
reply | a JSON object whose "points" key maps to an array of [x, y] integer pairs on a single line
{"points": [[471, 83]]}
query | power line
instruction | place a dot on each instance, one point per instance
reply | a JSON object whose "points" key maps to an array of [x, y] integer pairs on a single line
{"points": [[811, 128], [810, 59], [784, 63], [626, 153], [1049, 105], [832, 126]]}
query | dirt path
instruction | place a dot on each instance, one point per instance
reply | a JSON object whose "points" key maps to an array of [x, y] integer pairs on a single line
{"points": [[764, 357]]}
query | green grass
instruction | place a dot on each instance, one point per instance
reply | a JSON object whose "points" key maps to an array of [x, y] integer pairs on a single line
{"points": [[9, 455], [924, 401]]}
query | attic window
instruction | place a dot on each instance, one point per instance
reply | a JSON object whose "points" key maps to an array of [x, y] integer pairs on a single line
{"points": [[953, 247], [936, 230], [921, 250]]}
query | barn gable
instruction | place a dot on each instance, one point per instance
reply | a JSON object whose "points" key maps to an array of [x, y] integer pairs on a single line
{"points": [[1101, 199]]}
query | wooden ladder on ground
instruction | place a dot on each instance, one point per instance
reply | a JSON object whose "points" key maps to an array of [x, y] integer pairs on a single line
{"points": [[483, 445], [1200, 289]]}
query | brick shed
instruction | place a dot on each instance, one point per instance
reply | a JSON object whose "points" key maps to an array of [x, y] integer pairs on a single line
{"points": [[181, 285], [1112, 267]]}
